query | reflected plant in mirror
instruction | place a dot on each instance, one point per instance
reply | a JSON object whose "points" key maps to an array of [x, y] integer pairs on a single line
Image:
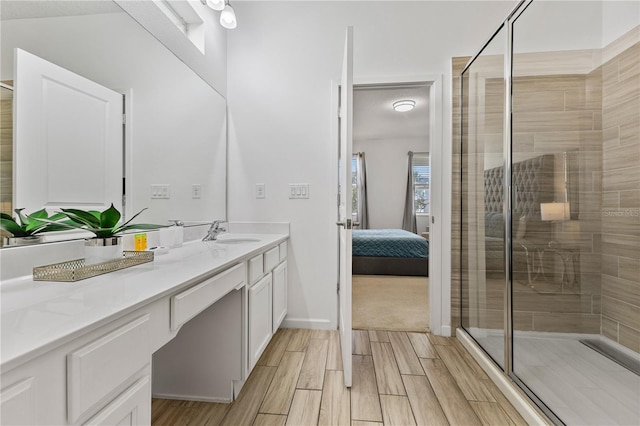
{"points": [[25, 229], [105, 224]]}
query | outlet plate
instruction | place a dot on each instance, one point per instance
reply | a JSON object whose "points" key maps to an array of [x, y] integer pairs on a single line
{"points": [[260, 190], [160, 191], [298, 190]]}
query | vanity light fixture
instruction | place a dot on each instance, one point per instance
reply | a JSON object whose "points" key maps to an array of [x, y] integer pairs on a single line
{"points": [[227, 14], [215, 4], [228, 17], [404, 105]]}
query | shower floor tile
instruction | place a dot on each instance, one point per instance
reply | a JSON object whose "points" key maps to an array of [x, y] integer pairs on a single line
{"points": [[581, 386]]}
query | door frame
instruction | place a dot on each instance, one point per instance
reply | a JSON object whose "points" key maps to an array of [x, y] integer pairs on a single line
{"points": [[439, 244]]}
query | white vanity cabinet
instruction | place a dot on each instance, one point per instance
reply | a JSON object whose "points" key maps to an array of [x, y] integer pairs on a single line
{"points": [[279, 295], [267, 299], [101, 377], [259, 319], [184, 327], [280, 284]]}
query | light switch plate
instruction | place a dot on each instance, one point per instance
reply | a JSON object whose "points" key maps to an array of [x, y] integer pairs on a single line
{"points": [[298, 190], [160, 191]]}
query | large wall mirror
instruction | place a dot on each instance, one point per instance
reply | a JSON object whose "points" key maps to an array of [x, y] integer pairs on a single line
{"points": [[175, 130]]}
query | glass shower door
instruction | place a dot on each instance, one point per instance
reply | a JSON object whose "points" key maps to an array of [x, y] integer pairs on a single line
{"points": [[550, 275], [483, 279], [576, 175]]}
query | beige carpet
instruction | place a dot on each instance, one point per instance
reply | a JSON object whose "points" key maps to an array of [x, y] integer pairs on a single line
{"points": [[383, 302]]}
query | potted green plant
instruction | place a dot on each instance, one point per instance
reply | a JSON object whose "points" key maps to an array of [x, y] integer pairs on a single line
{"points": [[106, 225], [26, 229]]}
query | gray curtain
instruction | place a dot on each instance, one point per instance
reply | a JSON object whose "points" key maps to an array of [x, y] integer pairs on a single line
{"points": [[409, 217], [363, 210]]}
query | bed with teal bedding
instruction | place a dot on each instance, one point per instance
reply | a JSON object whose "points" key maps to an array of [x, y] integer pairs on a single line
{"points": [[389, 252]]}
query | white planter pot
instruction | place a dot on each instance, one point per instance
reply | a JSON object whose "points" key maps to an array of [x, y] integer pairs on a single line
{"points": [[22, 241], [97, 250]]}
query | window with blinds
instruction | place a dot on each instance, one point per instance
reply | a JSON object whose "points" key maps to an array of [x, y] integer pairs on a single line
{"points": [[421, 181]]}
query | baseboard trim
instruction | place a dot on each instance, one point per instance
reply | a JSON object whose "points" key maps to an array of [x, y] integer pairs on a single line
{"points": [[190, 398], [530, 412], [310, 323], [445, 330]]}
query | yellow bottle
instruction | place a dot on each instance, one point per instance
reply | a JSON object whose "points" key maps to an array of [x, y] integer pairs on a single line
{"points": [[140, 242]]}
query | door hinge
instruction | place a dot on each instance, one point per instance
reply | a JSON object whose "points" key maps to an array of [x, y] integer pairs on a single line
{"points": [[124, 118], [338, 288], [339, 112]]}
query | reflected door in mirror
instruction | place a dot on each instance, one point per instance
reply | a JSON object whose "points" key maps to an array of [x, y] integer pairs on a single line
{"points": [[68, 138]]}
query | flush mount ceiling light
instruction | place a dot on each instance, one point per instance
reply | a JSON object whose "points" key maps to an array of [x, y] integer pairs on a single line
{"points": [[404, 105]]}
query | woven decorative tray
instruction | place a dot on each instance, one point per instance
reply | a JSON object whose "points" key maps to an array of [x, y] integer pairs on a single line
{"points": [[76, 270]]}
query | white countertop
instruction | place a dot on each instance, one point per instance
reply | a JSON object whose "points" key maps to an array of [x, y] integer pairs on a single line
{"points": [[37, 316]]}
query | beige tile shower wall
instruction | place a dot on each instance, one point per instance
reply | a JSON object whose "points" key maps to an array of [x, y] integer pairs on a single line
{"points": [[6, 149], [557, 114], [457, 65], [552, 114], [621, 198]]}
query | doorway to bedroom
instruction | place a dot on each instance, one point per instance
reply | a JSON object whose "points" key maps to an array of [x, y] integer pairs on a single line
{"points": [[391, 182]]}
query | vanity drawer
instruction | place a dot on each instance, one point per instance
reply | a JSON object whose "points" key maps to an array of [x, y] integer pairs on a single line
{"points": [[95, 370], [256, 268], [271, 259], [191, 302], [283, 251]]}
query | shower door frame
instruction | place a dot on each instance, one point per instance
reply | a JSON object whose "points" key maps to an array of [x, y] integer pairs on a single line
{"points": [[507, 24]]}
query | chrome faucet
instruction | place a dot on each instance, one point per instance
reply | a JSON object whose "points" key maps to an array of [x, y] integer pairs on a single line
{"points": [[214, 231]]}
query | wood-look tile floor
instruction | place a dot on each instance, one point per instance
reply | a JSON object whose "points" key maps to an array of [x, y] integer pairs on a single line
{"points": [[399, 378]]}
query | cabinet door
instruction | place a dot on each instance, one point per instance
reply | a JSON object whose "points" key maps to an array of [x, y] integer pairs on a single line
{"points": [[279, 294], [97, 369], [16, 403], [132, 407], [259, 319]]}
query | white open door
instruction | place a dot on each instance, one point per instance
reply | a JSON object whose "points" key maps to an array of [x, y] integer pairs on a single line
{"points": [[68, 138], [344, 209]]}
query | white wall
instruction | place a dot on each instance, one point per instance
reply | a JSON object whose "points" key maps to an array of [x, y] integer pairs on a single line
{"points": [[210, 65], [387, 178], [176, 132], [618, 18], [283, 59]]}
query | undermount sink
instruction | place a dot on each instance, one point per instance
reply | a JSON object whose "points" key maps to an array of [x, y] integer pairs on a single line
{"points": [[237, 240]]}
